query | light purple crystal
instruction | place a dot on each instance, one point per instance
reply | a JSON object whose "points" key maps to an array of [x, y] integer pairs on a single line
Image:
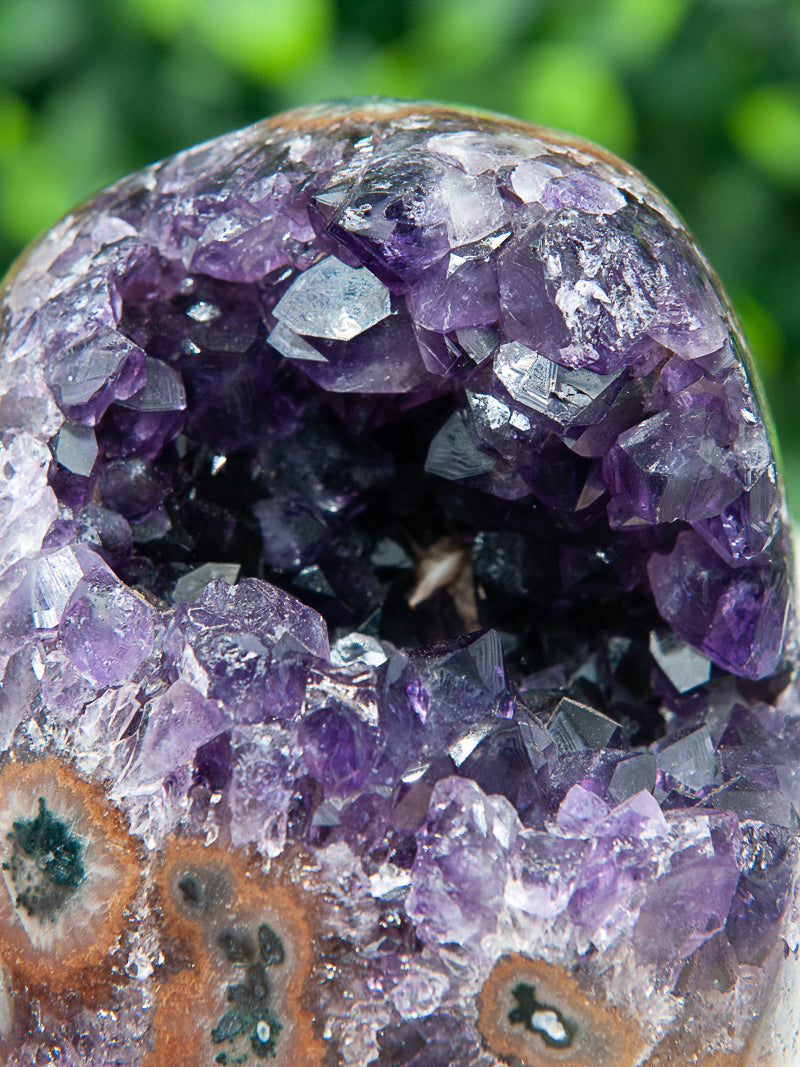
{"points": [[394, 567], [459, 875]]}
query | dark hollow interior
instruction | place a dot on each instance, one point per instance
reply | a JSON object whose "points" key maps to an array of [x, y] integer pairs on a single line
{"points": [[349, 519]]}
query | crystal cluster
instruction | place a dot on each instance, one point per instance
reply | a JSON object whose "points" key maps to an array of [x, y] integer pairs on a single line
{"points": [[396, 624]]}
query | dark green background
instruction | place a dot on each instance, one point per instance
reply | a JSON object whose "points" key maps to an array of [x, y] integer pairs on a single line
{"points": [[702, 95]]}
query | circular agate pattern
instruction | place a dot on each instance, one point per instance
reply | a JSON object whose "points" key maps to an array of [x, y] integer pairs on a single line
{"points": [[396, 631]]}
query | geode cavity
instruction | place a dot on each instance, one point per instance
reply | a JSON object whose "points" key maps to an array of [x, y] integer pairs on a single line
{"points": [[395, 618]]}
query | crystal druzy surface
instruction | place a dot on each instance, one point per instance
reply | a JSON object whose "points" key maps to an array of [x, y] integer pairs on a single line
{"points": [[395, 618]]}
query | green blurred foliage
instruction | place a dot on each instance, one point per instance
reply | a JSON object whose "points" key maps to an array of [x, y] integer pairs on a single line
{"points": [[765, 124], [702, 95], [572, 87], [263, 41]]}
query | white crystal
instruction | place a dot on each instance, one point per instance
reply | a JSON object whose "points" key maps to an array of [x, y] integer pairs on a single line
{"points": [[474, 206], [633, 775], [189, 586], [54, 579], [27, 503], [291, 345], [162, 391], [560, 393], [358, 648], [576, 726], [452, 452], [529, 179], [685, 667], [76, 448], [691, 759], [334, 300]]}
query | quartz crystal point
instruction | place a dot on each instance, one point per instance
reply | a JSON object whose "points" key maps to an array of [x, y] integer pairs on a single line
{"points": [[396, 632]]}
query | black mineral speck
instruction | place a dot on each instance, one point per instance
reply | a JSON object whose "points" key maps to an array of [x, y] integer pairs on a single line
{"points": [[542, 1019], [270, 945], [202, 890], [236, 945]]}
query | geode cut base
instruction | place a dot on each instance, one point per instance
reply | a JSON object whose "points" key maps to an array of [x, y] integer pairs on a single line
{"points": [[396, 630]]}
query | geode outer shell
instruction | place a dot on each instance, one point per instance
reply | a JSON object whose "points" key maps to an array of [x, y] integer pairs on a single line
{"points": [[395, 618]]}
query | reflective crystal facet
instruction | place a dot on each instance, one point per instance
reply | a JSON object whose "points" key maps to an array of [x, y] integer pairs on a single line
{"points": [[397, 640]]}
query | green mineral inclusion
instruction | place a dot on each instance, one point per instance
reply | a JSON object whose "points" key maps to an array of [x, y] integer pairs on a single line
{"points": [[249, 1021], [248, 1028], [46, 864]]}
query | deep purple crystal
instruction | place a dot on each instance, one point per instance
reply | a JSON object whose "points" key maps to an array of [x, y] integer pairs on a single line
{"points": [[395, 597]]}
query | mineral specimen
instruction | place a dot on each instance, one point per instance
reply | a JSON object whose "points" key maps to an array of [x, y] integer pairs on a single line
{"points": [[396, 632]]}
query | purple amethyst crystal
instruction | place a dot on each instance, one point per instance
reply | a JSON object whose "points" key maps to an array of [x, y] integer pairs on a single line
{"points": [[396, 628]]}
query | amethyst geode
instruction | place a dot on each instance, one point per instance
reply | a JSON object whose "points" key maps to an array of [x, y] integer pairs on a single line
{"points": [[395, 618]]}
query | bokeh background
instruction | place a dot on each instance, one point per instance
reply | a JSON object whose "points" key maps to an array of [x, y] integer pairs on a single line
{"points": [[702, 95]]}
